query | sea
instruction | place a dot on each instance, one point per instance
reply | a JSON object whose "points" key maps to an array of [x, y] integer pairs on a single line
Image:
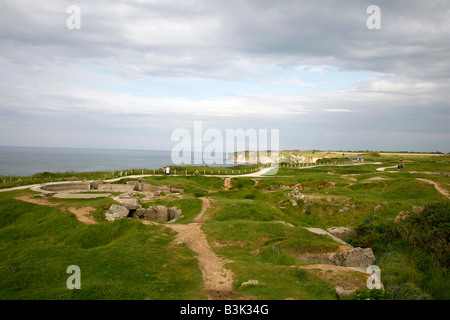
{"points": [[26, 161]]}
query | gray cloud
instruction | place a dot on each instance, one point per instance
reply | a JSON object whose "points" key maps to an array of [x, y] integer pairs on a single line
{"points": [[52, 75]]}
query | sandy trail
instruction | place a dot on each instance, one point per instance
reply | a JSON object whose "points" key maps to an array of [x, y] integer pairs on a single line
{"points": [[82, 214], [437, 186], [382, 169], [218, 280], [227, 184]]}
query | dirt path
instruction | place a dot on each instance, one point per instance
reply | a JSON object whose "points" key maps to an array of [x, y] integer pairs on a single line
{"points": [[382, 169], [206, 203], [437, 186], [227, 184], [218, 279], [82, 214], [39, 201]]}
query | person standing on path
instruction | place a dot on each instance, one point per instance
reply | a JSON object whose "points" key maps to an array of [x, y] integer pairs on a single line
{"points": [[164, 171], [167, 170]]}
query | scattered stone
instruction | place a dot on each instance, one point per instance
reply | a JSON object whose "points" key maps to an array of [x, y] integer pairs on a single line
{"points": [[342, 233], [418, 209], [285, 223], [330, 173], [250, 282], [294, 203], [331, 212], [375, 209], [403, 215], [356, 257], [344, 209], [116, 212]]}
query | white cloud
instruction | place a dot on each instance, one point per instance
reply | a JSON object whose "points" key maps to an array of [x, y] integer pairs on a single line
{"points": [[47, 73], [338, 110]]}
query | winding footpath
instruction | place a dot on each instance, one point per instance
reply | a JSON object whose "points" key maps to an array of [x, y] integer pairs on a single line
{"points": [[437, 186], [218, 280]]}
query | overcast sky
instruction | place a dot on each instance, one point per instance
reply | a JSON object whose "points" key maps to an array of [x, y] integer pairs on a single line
{"points": [[137, 70]]}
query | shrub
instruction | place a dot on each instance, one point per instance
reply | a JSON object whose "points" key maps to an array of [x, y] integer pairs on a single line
{"points": [[374, 294], [430, 230]]}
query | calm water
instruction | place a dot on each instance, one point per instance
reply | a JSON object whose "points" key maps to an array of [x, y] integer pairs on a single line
{"points": [[24, 161]]}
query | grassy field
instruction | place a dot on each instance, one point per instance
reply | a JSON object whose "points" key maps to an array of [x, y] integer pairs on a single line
{"points": [[257, 226]]}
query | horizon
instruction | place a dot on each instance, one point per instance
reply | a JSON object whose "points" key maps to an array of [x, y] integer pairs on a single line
{"points": [[246, 150]]}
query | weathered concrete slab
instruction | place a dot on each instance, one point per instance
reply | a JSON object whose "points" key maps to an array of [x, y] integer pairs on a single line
{"points": [[116, 187], [66, 195], [66, 186]]}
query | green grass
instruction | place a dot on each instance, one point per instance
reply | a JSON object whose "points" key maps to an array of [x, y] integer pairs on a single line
{"points": [[120, 260], [280, 282], [265, 242], [127, 260]]}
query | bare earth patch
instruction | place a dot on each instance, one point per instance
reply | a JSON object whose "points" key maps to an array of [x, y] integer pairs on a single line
{"points": [[345, 280], [206, 203], [82, 214], [227, 184], [218, 280], [437, 186], [39, 201]]}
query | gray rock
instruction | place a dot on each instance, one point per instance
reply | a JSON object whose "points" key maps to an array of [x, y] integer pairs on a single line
{"points": [[342, 233], [95, 184], [130, 204], [356, 257], [418, 209], [174, 213], [160, 213], [116, 212], [403, 215]]}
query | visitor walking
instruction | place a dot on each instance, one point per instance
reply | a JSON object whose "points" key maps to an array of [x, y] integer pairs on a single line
{"points": [[167, 170], [164, 171]]}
